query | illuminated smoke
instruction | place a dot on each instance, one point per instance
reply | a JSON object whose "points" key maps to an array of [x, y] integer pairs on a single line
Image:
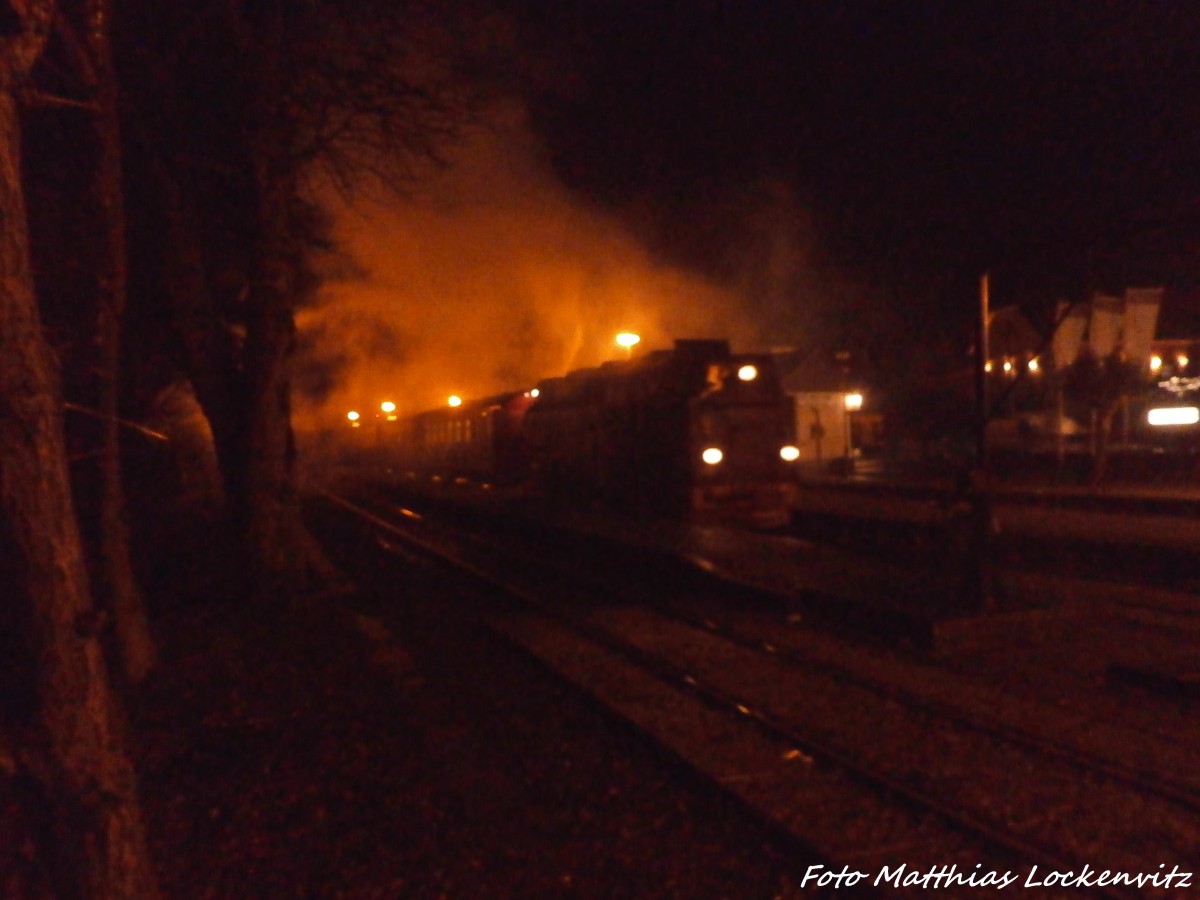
{"points": [[488, 277]]}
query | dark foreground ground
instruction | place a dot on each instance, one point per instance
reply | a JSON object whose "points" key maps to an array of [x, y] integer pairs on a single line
{"points": [[382, 744]]}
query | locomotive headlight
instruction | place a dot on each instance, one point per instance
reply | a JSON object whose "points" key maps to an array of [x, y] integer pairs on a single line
{"points": [[1173, 415], [712, 455], [789, 453], [747, 373]]}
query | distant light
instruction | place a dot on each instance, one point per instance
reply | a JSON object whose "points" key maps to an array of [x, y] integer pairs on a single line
{"points": [[747, 373], [353, 416], [712, 455], [1034, 366], [1173, 415], [789, 453], [455, 400], [628, 339], [854, 402], [1182, 360], [987, 366], [388, 406], [1155, 363], [534, 393], [1007, 366]]}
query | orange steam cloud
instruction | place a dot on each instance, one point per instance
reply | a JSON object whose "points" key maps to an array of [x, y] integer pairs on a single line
{"points": [[488, 277]]}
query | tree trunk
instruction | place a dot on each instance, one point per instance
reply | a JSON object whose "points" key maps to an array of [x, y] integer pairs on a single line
{"points": [[117, 589], [57, 701], [245, 391], [268, 508]]}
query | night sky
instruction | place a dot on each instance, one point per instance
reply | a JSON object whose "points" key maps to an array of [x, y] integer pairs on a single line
{"points": [[820, 177], [920, 143]]}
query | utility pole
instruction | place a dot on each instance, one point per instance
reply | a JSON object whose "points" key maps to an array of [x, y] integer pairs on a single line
{"points": [[981, 392], [979, 497]]}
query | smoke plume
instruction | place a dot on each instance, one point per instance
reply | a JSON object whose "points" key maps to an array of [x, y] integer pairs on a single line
{"points": [[489, 276]]}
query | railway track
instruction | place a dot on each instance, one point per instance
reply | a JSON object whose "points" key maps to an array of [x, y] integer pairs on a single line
{"points": [[1002, 799]]}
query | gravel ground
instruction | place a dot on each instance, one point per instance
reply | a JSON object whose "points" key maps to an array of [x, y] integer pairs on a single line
{"points": [[386, 746]]}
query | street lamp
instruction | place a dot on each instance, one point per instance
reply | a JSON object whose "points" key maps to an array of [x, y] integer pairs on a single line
{"points": [[454, 400], [389, 410], [628, 340]]}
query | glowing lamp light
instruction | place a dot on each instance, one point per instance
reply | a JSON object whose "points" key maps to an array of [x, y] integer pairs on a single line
{"points": [[789, 453], [712, 455], [1155, 363], [748, 373], [853, 402], [1182, 360], [1007, 366], [388, 406], [455, 400], [987, 366], [1034, 365], [628, 339], [1167, 416], [353, 416], [534, 393]]}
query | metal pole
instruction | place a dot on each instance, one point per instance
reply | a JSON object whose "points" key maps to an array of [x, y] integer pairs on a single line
{"points": [[980, 587], [981, 360]]}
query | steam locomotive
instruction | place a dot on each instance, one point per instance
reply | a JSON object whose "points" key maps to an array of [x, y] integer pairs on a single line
{"points": [[694, 432]]}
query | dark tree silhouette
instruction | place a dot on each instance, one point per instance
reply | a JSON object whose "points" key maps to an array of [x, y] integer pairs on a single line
{"points": [[1099, 386], [236, 106], [64, 743]]}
